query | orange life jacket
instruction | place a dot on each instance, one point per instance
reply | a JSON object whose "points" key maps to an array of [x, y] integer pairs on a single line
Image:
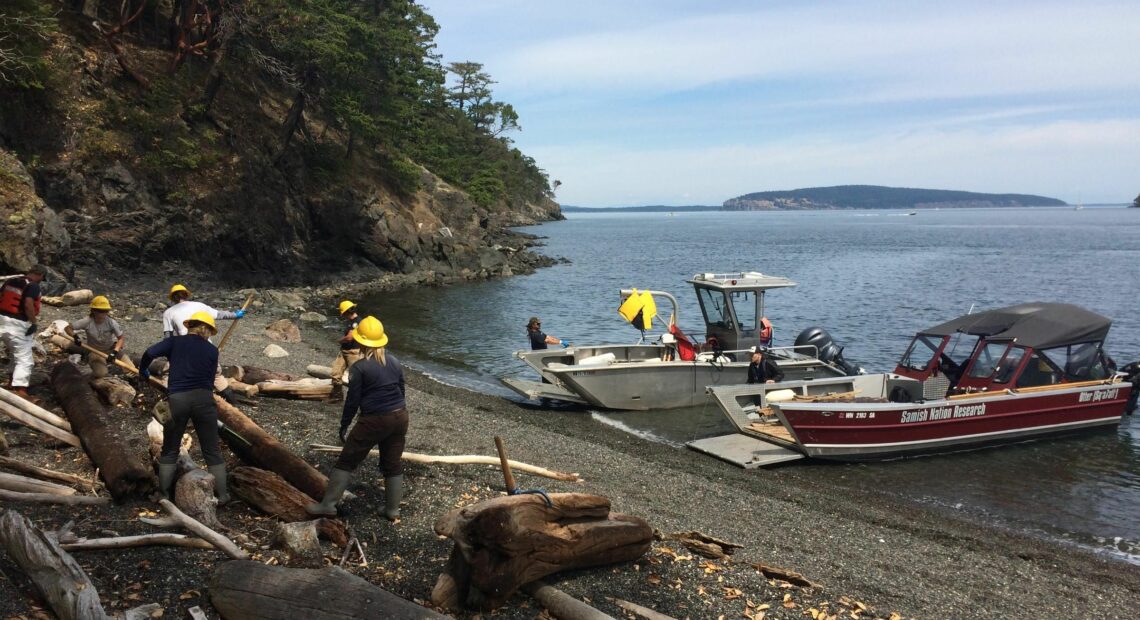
{"points": [[765, 331], [12, 298]]}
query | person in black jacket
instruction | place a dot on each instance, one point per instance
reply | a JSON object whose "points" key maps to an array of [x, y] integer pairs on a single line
{"points": [[190, 384], [376, 391], [762, 369]]}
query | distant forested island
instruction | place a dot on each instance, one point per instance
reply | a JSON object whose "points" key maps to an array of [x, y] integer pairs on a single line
{"points": [[879, 197]]}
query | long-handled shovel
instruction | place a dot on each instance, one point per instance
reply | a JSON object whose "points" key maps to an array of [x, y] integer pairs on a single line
{"points": [[233, 324]]}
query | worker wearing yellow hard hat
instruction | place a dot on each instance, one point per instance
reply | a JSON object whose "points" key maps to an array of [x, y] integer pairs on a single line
{"points": [[349, 352], [99, 332], [376, 393], [174, 318], [190, 385]]}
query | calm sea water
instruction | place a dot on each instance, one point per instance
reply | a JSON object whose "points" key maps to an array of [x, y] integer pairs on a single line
{"points": [[872, 278]]}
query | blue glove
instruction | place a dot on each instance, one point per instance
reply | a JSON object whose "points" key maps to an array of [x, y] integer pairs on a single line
{"points": [[562, 342], [144, 373], [239, 313], [112, 356]]}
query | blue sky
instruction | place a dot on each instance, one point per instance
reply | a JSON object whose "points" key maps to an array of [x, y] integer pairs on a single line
{"points": [[668, 102]]}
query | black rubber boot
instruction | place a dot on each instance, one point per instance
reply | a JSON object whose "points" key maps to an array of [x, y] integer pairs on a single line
{"points": [[166, 474], [338, 482], [221, 487], [393, 493]]}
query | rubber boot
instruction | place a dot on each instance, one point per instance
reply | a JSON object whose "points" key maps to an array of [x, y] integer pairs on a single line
{"points": [[393, 493], [166, 474], [338, 482], [221, 489]]}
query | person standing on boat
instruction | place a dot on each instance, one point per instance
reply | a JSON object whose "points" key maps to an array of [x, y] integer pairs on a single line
{"points": [[376, 391], [763, 369], [539, 340]]}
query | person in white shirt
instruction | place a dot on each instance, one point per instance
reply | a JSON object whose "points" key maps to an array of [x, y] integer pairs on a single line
{"points": [[173, 324]]}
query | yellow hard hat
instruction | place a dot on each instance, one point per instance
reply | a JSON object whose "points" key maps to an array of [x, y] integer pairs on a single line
{"points": [[178, 288], [345, 306], [370, 333], [100, 303], [203, 317]]}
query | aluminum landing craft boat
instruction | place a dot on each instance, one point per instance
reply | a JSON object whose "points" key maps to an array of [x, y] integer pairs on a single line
{"points": [[1005, 375], [672, 371]]}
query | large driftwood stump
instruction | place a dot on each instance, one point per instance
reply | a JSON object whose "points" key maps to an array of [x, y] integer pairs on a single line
{"points": [[300, 543], [254, 375], [505, 542], [114, 391], [194, 495], [253, 591], [259, 448], [269, 493], [53, 571], [122, 468]]}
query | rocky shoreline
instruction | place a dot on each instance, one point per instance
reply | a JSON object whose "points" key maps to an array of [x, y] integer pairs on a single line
{"points": [[871, 554]]}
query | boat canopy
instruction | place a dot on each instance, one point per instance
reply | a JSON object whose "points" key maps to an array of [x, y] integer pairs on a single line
{"points": [[1039, 325]]}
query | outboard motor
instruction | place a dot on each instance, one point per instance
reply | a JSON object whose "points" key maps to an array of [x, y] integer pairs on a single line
{"points": [[1132, 375], [829, 351]]}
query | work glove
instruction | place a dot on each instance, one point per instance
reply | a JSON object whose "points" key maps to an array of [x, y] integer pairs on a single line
{"points": [[144, 373], [239, 313], [229, 396], [112, 356], [31, 329], [562, 342], [343, 435], [78, 340]]}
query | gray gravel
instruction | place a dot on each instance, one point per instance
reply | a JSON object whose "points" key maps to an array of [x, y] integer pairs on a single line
{"points": [[862, 546]]}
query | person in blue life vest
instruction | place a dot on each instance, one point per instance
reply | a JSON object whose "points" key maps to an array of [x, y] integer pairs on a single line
{"points": [[19, 311], [349, 352], [538, 339], [190, 385], [376, 392]]}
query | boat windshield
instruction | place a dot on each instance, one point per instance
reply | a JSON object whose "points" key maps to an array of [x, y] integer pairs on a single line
{"points": [[715, 308], [745, 306], [1008, 365], [987, 360], [1080, 362], [920, 352], [960, 348]]}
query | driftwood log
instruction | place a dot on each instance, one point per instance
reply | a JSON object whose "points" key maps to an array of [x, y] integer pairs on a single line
{"points": [[31, 421], [35, 410], [308, 388], [142, 540], [702, 544], [561, 605], [194, 495], [48, 498], [254, 375], [244, 389], [3, 444], [114, 391], [71, 298], [43, 474], [269, 493], [261, 449], [55, 574], [505, 542], [23, 484], [318, 371], [222, 543], [255, 591], [465, 459], [124, 472]]}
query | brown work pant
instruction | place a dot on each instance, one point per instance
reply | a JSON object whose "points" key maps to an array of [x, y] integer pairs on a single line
{"points": [[343, 362], [388, 430]]}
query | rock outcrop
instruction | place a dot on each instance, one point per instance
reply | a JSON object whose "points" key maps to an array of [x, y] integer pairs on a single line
{"points": [[30, 231]]}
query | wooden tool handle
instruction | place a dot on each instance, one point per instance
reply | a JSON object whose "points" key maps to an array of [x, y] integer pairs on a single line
{"points": [[233, 324], [508, 478]]}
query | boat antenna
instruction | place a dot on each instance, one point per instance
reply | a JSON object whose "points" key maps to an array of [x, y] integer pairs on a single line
{"points": [[971, 310]]}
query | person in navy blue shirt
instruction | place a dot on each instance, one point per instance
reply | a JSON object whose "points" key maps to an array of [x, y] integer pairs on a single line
{"points": [[376, 391], [538, 339], [190, 385]]}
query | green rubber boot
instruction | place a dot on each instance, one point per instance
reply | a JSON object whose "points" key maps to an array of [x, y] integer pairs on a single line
{"points": [[338, 482], [393, 493], [166, 474], [221, 488]]}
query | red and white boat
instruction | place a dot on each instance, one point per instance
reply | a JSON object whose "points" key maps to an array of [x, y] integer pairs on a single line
{"points": [[1005, 375]]}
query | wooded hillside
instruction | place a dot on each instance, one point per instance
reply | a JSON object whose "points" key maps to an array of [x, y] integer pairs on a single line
{"points": [[278, 136], [878, 197]]}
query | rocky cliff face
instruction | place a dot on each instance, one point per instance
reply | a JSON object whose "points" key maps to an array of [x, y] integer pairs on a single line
{"points": [[211, 195]]}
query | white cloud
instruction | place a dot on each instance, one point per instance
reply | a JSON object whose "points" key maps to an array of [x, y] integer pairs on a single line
{"points": [[1096, 163]]}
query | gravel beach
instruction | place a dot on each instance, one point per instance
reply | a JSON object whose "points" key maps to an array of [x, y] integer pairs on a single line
{"points": [[870, 554]]}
